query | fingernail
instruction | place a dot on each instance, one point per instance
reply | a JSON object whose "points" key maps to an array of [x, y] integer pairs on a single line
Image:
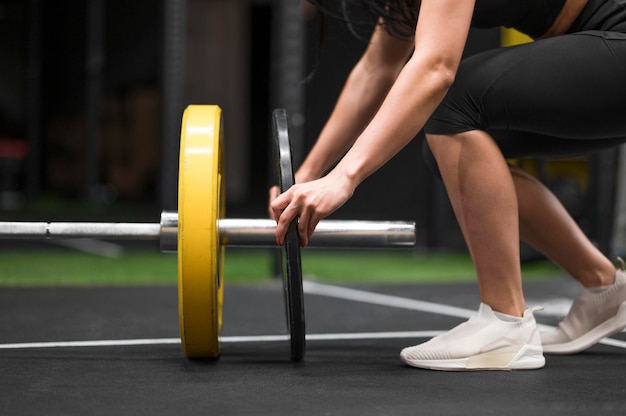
{"points": [[278, 242], [302, 244]]}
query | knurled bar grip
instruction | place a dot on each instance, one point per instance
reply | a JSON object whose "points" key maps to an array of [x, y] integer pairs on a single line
{"points": [[233, 232], [61, 230]]}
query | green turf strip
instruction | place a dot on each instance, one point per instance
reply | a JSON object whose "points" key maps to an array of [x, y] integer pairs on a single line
{"points": [[71, 268]]}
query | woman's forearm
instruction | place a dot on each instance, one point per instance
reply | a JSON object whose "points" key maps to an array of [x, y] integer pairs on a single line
{"points": [[359, 100], [419, 89], [364, 91]]}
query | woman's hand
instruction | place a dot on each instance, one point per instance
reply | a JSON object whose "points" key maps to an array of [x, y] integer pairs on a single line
{"points": [[310, 202], [275, 191]]}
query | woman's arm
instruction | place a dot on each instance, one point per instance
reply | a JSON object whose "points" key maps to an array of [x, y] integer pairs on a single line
{"points": [[440, 36], [362, 94], [364, 90]]}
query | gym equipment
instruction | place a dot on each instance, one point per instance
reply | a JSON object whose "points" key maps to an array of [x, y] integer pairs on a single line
{"points": [[198, 232], [290, 251]]}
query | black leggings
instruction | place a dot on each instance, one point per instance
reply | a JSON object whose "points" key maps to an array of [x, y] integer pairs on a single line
{"points": [[561, 96]]}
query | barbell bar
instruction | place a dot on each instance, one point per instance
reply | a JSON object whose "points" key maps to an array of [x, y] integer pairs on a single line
{"points": [[236, 232], [198, 232]]}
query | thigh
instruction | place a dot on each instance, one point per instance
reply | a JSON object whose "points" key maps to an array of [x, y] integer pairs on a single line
{"points": [[518, 145], [571, 87]]}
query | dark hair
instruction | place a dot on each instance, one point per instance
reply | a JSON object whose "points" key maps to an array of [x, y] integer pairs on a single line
{"points": [[398, 16]]}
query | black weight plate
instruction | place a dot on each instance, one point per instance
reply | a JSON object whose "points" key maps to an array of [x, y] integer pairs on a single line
{"points": [[290, 251]]}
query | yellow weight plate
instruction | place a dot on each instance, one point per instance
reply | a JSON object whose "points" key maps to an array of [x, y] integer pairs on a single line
{"points": [[200, 253]]}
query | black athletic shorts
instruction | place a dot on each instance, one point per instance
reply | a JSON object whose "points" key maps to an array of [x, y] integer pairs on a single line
{"points": [[561, 96]]}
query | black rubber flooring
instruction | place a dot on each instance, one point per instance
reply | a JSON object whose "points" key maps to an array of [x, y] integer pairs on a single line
{"points": [[341, 375]]}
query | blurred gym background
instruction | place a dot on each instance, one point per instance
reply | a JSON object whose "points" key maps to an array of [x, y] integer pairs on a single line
{"points": [[92, 93]]}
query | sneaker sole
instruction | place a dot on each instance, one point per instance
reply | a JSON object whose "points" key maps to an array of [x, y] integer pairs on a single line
{"points": [[605, 329], [527, 358]]}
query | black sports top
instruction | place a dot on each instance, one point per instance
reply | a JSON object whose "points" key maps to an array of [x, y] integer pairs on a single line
{"points": [[532, 17]]}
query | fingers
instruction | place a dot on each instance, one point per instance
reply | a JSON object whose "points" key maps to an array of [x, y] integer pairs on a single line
{"points": [[273, 194], [282, 215], [306, 225], [308, 202], [285, 209]]}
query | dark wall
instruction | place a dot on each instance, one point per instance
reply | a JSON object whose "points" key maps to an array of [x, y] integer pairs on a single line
{"points": [[13, 74], [126, 98]]}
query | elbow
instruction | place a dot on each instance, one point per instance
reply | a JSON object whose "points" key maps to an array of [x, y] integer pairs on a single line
{"points": [[438, 71], [440, 78], [445, 73]]}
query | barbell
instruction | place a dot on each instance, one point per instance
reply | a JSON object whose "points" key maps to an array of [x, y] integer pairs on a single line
{"points": [[198, 232]]}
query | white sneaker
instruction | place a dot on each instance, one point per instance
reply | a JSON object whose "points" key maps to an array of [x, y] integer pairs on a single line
{"points": [[485, 342], [592, 317]]}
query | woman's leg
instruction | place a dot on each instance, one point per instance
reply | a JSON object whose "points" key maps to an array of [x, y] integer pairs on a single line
{"points": [[483, 196], [560, 95], [495, 205], [503, 334], [519, 102], [546, 225], [543, 223], [595, 313]]}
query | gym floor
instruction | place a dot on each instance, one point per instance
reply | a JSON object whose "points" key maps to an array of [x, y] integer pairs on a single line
{"points": [[115, 351]]}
